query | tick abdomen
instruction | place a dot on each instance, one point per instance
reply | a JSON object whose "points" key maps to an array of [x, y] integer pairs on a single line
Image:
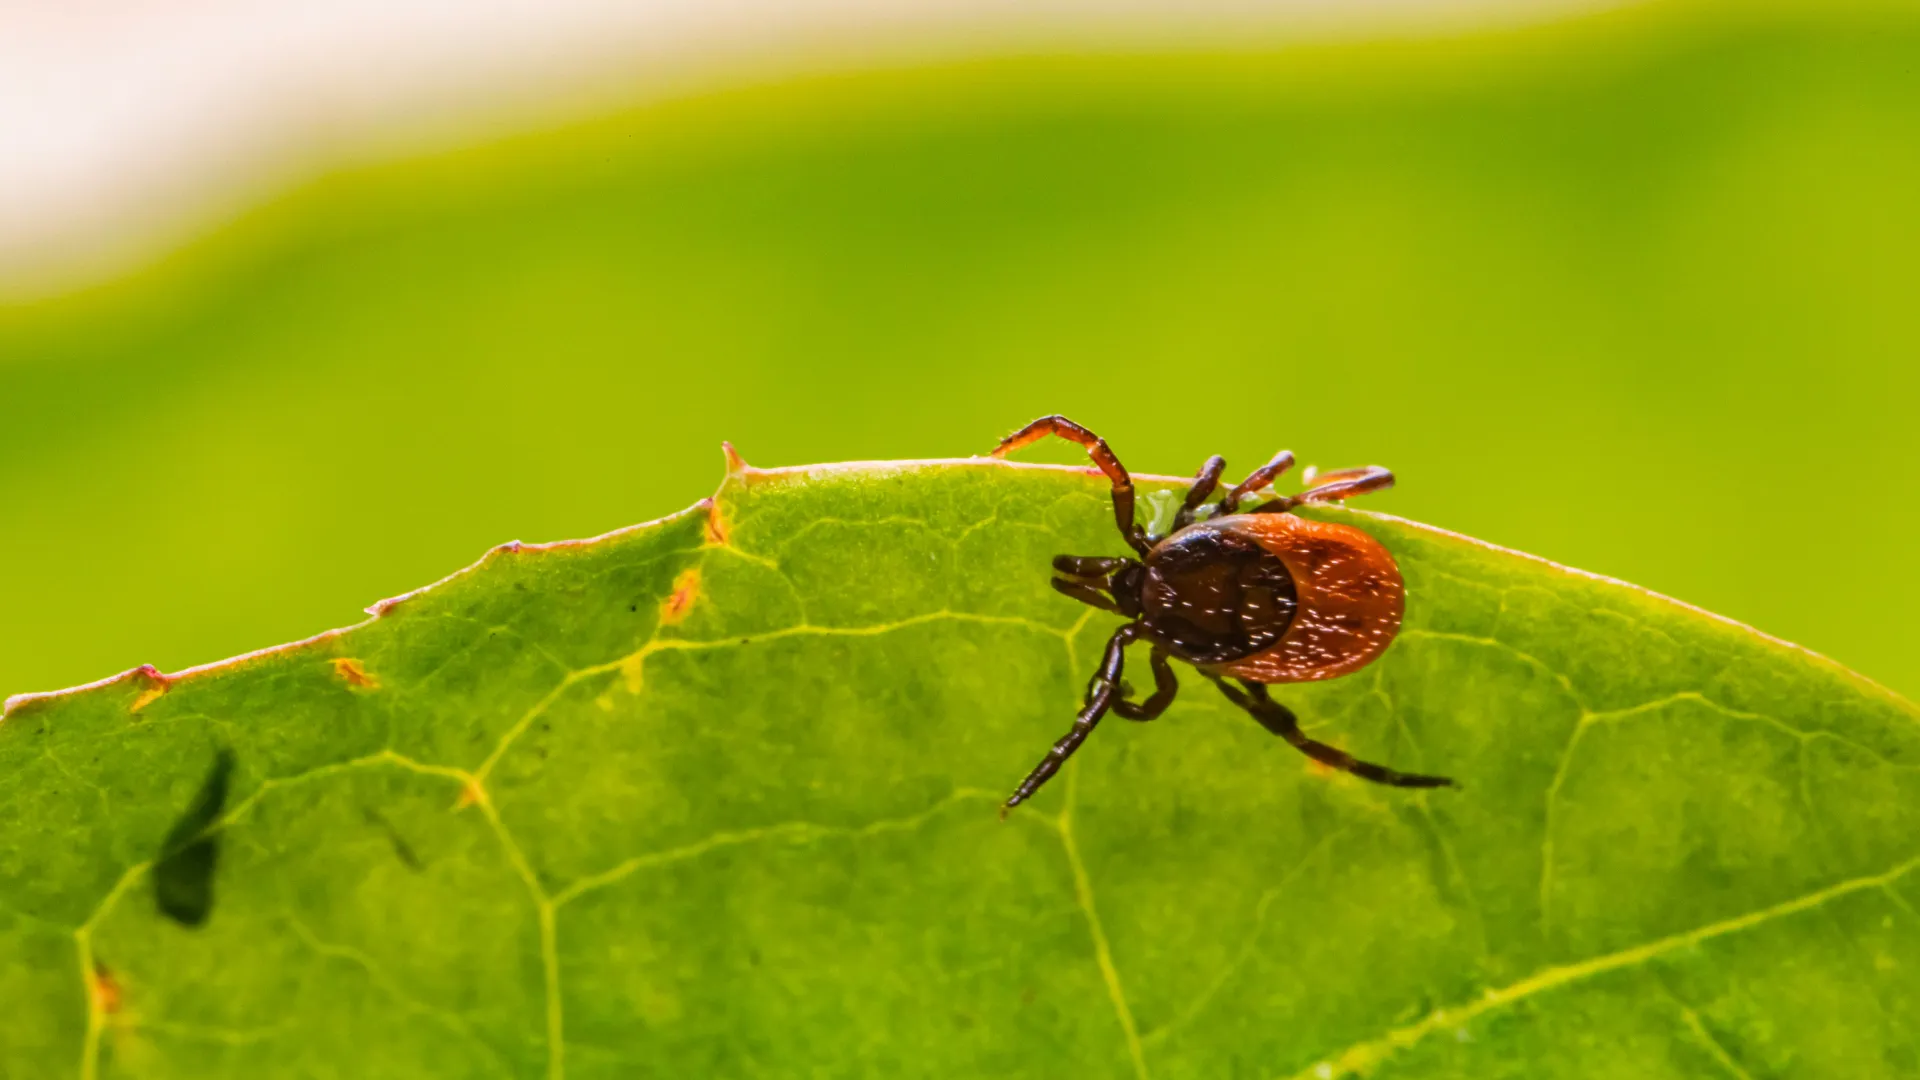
{"points": [[1348, 593], [1213, 596]]}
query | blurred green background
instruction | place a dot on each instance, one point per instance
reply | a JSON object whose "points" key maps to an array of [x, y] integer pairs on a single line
{"points": [[1636, 292]]}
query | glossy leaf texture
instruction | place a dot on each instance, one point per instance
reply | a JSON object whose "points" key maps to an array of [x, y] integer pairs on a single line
{"points": [[716, 796]]}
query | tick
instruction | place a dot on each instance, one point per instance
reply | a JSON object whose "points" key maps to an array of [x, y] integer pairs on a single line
{"points": [[1259, 597]]}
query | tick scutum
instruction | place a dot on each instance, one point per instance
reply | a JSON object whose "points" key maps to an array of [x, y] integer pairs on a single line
{"points": [[1213, 596]]}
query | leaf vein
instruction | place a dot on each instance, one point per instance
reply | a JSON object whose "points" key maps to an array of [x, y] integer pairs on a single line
{"points": [[1247, 948], [389, 985], [1363, 1056], [1704, 1037], [1694, 696], [1102, 953], [797, 832]]}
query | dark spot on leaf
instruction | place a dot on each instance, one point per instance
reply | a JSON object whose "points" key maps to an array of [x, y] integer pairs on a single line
{"points": [[183, 874], [401, 849]]}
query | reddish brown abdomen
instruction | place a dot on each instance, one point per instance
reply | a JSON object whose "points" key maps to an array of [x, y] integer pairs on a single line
{"points": [[1349, 593]]}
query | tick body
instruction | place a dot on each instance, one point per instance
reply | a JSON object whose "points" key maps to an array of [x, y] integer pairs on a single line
{"points": [[1248, 598]]}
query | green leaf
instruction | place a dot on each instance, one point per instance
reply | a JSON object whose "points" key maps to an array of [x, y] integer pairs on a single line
{"points": [[715, 796], [1639, 253]]}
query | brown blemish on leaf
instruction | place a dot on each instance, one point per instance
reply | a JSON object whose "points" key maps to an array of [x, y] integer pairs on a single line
{"points": [[152, 685], [686, 589], [21, 704], [18, 705], [349, 669], [104, 990], [716, 524]]}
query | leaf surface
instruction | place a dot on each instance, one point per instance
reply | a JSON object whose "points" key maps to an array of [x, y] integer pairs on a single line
{"points": [[715, 796]]}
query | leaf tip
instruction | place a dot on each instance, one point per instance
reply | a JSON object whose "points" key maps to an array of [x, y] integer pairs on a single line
{"points": [[382, 608], [152, 682], [736, 465]]}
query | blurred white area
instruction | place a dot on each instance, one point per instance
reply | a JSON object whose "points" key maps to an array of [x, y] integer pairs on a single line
{"points": [[127, 125]]}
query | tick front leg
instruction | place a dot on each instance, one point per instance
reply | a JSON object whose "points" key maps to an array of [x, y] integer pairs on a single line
{"points": [[1280, 720], [1102, 455], [1100, 697]]}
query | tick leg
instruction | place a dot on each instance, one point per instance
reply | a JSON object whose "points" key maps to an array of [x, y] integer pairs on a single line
{"points": [[1346, 483], [1165, 686], [1280, 720], [1102, 455], [1335, 486], [1100, 696], [1256, 480], [1086, 594], [1204, 482]]}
